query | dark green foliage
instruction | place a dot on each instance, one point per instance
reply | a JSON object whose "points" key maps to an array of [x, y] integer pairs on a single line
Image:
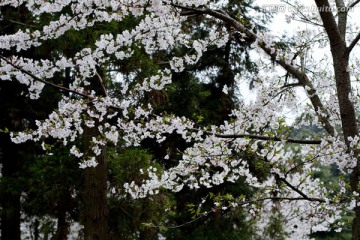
{"points": [[134, 218], [275, 229], [217, 223], [229, 225], [49, 178], [53, 186]]}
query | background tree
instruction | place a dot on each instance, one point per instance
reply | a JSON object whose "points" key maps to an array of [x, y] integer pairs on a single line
{"points": [[18, 113]]}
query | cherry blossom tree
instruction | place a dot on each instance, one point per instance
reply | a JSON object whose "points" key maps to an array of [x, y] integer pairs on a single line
{"points": [[218, 154]]}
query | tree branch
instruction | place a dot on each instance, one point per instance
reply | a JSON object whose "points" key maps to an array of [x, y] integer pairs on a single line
{"points": [[268, 138], [291, 85], [296, 73], [299, 191], [260, 137], [283, 199], [353, 43], [353, 4], [19, 23], [43, 81]]}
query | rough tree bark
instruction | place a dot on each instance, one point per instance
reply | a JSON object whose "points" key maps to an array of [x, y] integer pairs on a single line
{"points": [[95, 192], [95, 202]]}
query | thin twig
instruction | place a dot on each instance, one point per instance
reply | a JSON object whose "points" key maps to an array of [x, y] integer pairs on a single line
{"points": [[20, 23], [184, 224]]}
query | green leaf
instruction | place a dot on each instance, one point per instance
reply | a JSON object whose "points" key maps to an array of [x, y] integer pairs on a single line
{"points": [[6, 130]]}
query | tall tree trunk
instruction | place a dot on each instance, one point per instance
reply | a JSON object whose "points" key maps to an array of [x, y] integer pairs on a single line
{"points": [[356, 223], [10, 199], [62, 229], [36, 230], [349, 127], [340, 54], [95, 201]]}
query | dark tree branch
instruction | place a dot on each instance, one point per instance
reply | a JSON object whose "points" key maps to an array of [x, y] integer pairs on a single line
{"points": [[268, 138], [353, 43], [299, 191], [43, 81], [291, 85], [19, 23], [283, 199], [353, 4]]}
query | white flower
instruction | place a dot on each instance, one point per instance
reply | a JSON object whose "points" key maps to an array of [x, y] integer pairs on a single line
{"points": [[225, 89]]}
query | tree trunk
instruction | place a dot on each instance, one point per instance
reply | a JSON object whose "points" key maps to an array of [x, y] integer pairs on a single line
{"points": [[36, 229], [340, 55], [95, 201], [349, 127], [356, 224], [62, 229], [10, 199]]}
